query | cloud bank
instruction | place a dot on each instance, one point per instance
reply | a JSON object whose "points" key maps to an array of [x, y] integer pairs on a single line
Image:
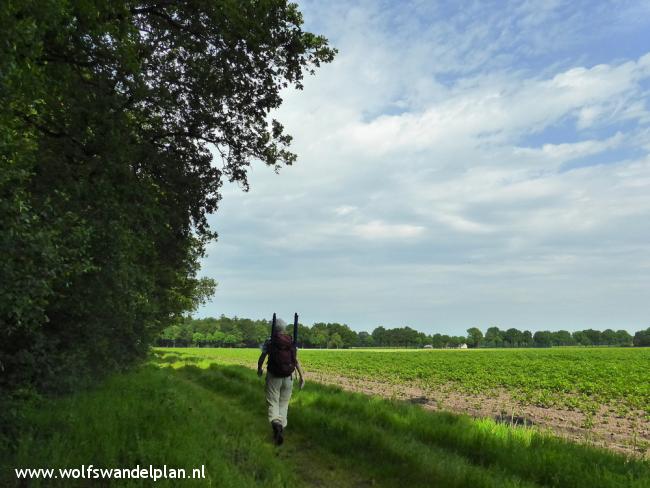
{"points": [[474, 165]]}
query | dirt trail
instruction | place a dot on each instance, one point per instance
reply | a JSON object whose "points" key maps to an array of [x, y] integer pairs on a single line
{"points": [[630, 434]]}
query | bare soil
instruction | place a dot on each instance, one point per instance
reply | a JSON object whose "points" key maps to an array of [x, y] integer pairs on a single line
{"points": [[629, 434]]}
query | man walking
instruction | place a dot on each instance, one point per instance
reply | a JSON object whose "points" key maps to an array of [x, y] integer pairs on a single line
{"points": [[282, 364]]}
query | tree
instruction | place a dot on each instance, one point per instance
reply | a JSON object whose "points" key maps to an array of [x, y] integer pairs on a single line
{"points": [[319, 339], [198, 338], [581, 338], [642, 338], [250, 333], [543, 338], [170, 335], [512, 337], [233, 339], [474, 337], [304, 336], [205, 326], [365, 340], [348, 336], [595, 336], [335, 341], [623, 338], [237, 331], [379, 336], [402, 337], [436, 341], [186, 335], [526, 339], [217, 338], [562, 338], [493, 337], [609, 337], [110, 113]]}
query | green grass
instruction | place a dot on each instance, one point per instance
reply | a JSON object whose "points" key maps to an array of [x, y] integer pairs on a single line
{"points": [[575, 378], [197, 412], [151, 416]]}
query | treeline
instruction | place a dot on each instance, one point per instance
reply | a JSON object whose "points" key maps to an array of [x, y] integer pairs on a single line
{"points": [[111, 113], [242, 332], [495, 337]]}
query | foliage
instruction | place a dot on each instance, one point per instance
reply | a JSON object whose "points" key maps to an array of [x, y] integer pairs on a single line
{"points": [[144, 417], [642, 338], [251, 333], [201, 413], [494, 337], [211, 332], [474, 337], [111, 112]]}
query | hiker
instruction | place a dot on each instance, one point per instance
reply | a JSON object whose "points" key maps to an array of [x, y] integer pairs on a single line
{"points": [[282, 364]]}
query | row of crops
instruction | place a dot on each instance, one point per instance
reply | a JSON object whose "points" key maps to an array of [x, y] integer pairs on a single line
{"points": [[574, 378]]}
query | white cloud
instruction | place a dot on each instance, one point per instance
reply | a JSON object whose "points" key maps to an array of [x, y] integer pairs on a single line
{"points": [[553, 155], [462, 224], [382, 230], [449, 129], [343, 210], [500, 110]]}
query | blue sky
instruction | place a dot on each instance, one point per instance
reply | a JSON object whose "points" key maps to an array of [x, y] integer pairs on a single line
{"points": [[460, 164]]}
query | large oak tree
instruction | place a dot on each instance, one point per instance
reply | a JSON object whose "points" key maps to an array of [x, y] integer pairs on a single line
{"points": [[119, 123]]}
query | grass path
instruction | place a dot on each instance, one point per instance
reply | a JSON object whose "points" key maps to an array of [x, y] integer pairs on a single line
{"points": [[191, 414], [310, 465]]}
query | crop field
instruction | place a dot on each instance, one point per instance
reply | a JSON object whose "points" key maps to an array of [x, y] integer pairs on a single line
{"points": [[599, 395], [187, 408]]}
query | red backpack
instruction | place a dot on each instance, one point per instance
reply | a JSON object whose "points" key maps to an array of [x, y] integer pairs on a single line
{"points": [[282, 355]]}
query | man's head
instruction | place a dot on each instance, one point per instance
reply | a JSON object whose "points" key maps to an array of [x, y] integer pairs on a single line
{"points": [[281, 327]]}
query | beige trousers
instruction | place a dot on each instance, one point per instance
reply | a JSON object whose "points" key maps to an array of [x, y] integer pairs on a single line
{"points": [[278, 394]]}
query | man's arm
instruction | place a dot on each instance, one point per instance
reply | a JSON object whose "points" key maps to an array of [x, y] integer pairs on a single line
{"points": [[301, 373], [260, 363]]}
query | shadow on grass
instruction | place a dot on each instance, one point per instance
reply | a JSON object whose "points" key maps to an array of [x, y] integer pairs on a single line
{"points": [[399, 443], [162, 357]]}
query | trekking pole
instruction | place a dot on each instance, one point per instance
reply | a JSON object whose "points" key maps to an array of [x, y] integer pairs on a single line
{"points": [[273, 325], [295, 328], [295, 337]]}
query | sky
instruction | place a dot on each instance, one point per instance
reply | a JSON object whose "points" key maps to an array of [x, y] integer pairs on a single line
{"points": [[460, 164]]}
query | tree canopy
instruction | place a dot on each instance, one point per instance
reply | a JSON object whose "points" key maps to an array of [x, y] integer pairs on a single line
{"points": [[213, 332], [120, 122], [642, 338]]}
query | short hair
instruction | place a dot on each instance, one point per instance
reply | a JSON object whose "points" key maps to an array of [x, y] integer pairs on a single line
{"points": [[281, 326]]}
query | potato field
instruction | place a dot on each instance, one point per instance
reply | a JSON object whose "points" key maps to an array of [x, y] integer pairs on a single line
{"points": [[596, 395]]}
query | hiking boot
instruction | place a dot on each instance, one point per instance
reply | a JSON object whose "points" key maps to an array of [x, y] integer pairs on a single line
{"points": [[278, 438]]}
